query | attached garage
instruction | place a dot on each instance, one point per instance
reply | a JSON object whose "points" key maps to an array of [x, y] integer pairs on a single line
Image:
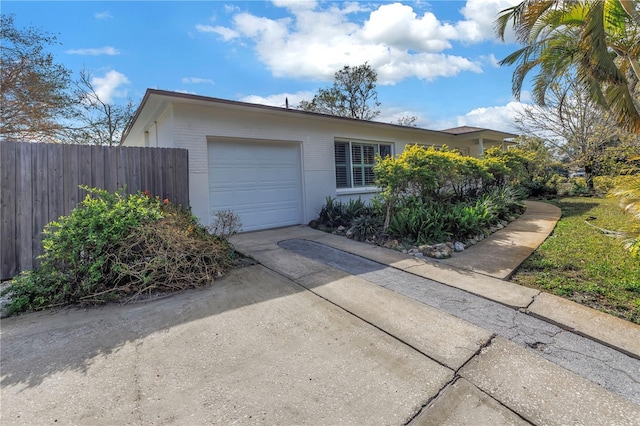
{"points": [[259, 180]]}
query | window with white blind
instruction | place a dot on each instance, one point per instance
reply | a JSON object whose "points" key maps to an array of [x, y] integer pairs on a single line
{"points": [[355, 161]]}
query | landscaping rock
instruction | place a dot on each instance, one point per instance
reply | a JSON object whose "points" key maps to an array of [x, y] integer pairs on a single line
{"points": [[437, 251], [458, 247]]}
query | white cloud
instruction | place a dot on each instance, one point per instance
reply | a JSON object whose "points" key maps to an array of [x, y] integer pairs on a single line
{"points": [[103, 15], [480, 17], [231, 8], [494, 117], [398, 26], [296, 4], [280, 99], [110, 86], [197, 80], [315, 41], [226, 33], [94, 51], [491, 60]]}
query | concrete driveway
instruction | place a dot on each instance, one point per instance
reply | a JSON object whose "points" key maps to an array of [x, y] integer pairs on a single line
{"points": [[252, 348], [292, 342]]}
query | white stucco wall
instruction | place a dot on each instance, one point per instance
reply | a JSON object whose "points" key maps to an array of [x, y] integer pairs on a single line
{"points": [[193, 124], [190, 126]]}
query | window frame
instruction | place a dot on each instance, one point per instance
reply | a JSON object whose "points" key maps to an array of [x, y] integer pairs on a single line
{"points": [[357, 171]]}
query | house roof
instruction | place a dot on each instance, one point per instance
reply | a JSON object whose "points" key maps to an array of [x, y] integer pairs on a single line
{"points": [[462, 129], [466, 130], [155, 102]]}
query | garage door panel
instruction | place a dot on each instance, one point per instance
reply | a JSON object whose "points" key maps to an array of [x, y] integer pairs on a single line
{"points": [[260, 182]]}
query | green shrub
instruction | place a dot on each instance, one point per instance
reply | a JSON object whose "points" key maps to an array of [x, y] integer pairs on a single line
{"points": [[505, 202], [466, 220], [335, 213], [431, 174], [423, 223], [364, 228], [115, 245], [604, 184]]}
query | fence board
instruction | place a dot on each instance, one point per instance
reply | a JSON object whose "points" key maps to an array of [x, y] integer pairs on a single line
{"points": [[170, 173], [40, 183], [56, 178], [84, 171], [40, 198], [110, 175], [182, 177], [158, 172], [70, 177], [24, 206], [8, 208], [97, 167]]}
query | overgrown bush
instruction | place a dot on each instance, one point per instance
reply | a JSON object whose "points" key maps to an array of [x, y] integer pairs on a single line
{"points": [[115, 246]]}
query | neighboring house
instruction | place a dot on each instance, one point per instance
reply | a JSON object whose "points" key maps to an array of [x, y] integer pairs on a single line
{"points": [[275, 166]]}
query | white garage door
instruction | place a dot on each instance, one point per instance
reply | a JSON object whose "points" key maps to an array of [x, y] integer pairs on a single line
{"points": [[259, 181]]}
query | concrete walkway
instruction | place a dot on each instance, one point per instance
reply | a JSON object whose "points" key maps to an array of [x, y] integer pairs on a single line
{"points": [[295, 341], [500, 255]]}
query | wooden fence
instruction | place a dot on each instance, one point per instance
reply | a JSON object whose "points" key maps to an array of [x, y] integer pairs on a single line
{"points": [[39, 183]]}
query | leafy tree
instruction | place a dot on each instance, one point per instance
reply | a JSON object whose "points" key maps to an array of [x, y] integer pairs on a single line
{"points": [[34, 100], [598, 39], [353, 94], [575, 128], [98, 121], [407, 120]]}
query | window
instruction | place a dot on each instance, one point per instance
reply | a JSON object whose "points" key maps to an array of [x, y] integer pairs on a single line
{"points": [[355, 161]]}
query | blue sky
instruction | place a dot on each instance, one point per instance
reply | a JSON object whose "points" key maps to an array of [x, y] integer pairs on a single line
{"points": [[435, 60]]}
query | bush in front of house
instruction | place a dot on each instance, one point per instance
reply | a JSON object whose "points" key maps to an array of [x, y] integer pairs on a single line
{"points": [[419, 222], [119, 246], [432, 196], [336, 213]]}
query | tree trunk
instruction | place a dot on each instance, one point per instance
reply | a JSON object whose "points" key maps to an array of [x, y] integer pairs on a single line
{"points": [[588, 177]]}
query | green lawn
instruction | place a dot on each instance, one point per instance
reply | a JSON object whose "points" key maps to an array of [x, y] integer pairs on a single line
{"points": [[583, 264]]}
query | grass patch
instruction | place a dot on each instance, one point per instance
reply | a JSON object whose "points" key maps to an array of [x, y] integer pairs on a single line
{"points": [[583, 264]]}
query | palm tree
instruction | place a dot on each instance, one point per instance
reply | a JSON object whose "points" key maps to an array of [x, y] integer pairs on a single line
{"points": [[628, 192], [599, 40]]}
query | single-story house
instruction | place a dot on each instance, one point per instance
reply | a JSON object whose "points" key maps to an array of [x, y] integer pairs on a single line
{"points": [[275, 166]]}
